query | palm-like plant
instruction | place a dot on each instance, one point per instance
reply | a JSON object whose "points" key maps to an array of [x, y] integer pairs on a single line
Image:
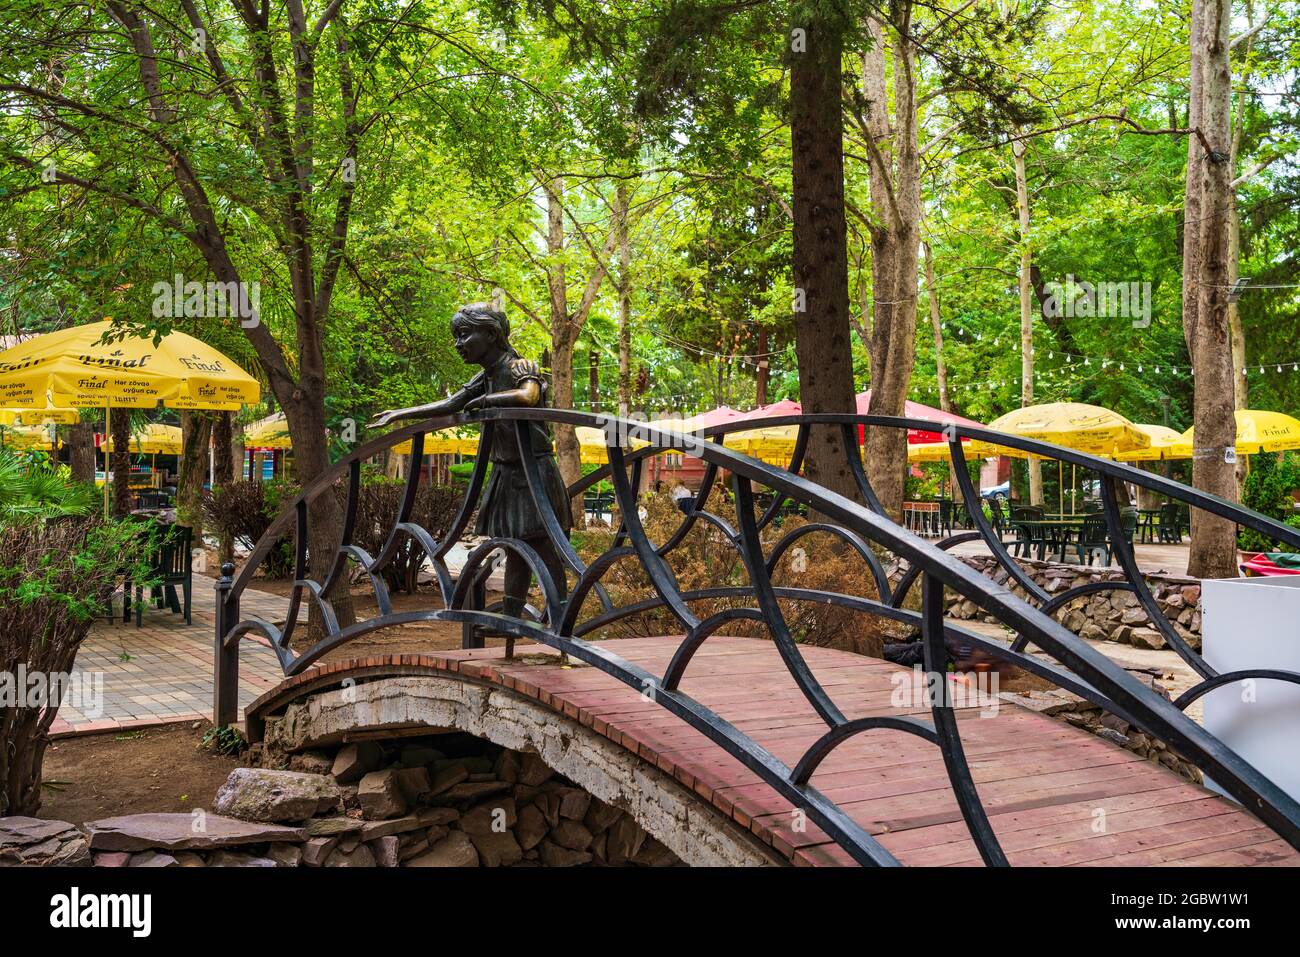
{"points": [[32, 485]]}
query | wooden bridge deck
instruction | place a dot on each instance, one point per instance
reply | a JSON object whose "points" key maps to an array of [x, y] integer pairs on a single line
{"points": [[1056, 795]]}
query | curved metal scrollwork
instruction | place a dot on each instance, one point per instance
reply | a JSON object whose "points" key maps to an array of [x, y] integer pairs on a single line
{"points": [[1070, 662]]}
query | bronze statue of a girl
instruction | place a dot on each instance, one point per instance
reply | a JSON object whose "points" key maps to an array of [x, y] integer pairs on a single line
{"points": [[482, 336]]}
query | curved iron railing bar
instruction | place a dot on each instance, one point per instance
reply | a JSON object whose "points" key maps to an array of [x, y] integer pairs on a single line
{"points": [[349, 526], [796, 463], [428, 545], [853, 454], [620, 535], [698, 501], [945, 726], [524, 551], [1120, 549], [542, 502], [708, 627], [1155, 715], [389, 549], [660, 573], [998, 649], [913, 571], [751, 550], [589, 580], [377, 585], [971, 499], [855, 542], [458, 524], [269, 631], [1218, 680], [299, 571], [827, 743]]}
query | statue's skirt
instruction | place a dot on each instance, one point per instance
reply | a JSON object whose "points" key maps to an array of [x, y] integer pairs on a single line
{"points": [[508, 510]]}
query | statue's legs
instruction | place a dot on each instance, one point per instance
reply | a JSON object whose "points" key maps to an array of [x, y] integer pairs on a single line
{"points": [[519, 576]]}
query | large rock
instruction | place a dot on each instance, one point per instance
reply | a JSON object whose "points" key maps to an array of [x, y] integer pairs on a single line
{"points": [[497, 849], [381, 796], [261, 794], [555, 856], [531, 827], [359, 856], [180, 831], [492, 817], [35, 843], [454, 850], [355, 761], [237, 859], [374, 830]]}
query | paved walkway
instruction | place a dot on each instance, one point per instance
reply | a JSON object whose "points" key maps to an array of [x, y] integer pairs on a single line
{"points": [[162, 671], [1170, 559]]}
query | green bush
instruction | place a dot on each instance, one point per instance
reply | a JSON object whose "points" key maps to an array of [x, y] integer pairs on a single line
{"points": [[1267, 489], [34, 485], [56, 578]]}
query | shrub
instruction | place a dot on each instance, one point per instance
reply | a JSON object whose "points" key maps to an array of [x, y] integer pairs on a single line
{"points": [[56, 578], [32, 484], [705, 559], [434, 508], [245, 510], [1267, 489], [242, 512]]}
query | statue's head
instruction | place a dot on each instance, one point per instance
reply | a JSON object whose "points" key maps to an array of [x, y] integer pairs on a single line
{"points": [[482, 316]]}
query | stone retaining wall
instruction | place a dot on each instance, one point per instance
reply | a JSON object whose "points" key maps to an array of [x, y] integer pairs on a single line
{"points": [[1106, 615]]}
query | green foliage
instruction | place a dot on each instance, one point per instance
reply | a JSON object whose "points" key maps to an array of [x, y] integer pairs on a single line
{"points": [[1267, 489], [225, 739], [34, 485]]}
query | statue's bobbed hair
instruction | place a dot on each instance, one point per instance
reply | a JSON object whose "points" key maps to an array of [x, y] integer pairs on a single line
{"points": [[482, 315]]}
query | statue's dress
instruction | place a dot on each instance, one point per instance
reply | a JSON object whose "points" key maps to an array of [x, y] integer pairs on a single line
{"points": [[507, 509]]}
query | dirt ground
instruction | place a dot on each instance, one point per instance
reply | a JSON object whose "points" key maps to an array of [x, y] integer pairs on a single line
{"points": [[131, 772]]}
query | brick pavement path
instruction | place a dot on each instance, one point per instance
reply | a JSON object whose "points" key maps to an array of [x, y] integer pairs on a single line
{"points": [[162, 671]]}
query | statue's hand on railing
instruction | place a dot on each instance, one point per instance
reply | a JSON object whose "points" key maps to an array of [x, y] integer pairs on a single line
{"points": [[414, 412]]}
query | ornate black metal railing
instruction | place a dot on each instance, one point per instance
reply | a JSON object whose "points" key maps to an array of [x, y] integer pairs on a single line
{"points": [[1067, 660]]}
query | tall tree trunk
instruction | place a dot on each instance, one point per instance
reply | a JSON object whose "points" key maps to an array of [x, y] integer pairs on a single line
{"points": [[196, 434], [564, 335], [764, 367], [237, 450], [81, 451], [1026, 312], [621, 202], [1214, 549], [821, 272], [895, 184], [1194, 185], [223, 463], [120, 461], [940, 365]]}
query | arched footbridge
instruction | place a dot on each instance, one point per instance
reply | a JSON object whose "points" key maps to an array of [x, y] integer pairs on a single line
{"points": [[764, 749]]}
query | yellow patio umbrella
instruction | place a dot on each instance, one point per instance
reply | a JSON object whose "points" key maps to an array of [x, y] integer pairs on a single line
{"points": [[1258, 430], [28, 437], [271, 432], [1163, 439], [73, 368], [156, 439], [1074, 425], [46, 416], [446, 441], [773, 444]]}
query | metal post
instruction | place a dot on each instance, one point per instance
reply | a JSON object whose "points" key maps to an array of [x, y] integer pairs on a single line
{"points": [[225, 705]]}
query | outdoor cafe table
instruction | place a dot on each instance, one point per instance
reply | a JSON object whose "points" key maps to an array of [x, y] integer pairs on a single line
{"points": [[1055, 534]]}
